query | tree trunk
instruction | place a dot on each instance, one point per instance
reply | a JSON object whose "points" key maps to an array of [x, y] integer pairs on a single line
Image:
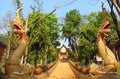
{"points": [[114, 18], [115, 23], [74, 45], [46, 54], [35, 60], [118, 2], [45, 57], [41, 61], [116, 6]]}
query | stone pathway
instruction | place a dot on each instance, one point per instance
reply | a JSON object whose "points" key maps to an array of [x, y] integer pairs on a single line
{"points": [[62, 71]]}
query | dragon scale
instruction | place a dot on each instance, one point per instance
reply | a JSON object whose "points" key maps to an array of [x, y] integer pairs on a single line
{"points": [[19, 52]]}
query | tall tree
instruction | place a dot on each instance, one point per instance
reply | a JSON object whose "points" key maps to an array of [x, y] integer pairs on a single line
{"points": [[70, 29], [43, 33], [113, 14], [87, 38], [116, 4]]}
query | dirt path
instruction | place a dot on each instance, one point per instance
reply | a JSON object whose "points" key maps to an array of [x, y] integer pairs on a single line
{"points": [[62, 71]]}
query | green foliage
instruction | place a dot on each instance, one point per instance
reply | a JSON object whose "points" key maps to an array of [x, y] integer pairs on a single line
{"points": [[43, 35], [72, 21], [88, 35], [73, 18], [70, 29], [86, 42], [52, 28]]}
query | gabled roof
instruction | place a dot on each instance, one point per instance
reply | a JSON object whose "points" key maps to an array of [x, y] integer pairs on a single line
{"points": [[63, 48]]}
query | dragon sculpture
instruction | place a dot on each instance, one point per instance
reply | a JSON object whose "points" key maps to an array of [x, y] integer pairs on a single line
{"points": [[13, 65], [109, 60]]}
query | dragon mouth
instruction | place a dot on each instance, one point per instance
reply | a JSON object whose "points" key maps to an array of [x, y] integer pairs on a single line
{"points": [[105, 29], [106, 26], [17, 27]]}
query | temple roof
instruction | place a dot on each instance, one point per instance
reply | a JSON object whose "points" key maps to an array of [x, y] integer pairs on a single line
{"points": [[62, 49]]}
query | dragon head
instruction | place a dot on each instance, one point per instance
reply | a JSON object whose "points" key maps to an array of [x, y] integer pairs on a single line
{"points": [[18, 24], [104, 29]]}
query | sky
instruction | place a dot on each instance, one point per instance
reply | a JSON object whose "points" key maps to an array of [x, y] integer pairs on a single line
{"points": [[85, 7]]}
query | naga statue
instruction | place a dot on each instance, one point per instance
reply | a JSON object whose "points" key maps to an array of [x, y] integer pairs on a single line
{"points": [[109, 59], [13, 65]]}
